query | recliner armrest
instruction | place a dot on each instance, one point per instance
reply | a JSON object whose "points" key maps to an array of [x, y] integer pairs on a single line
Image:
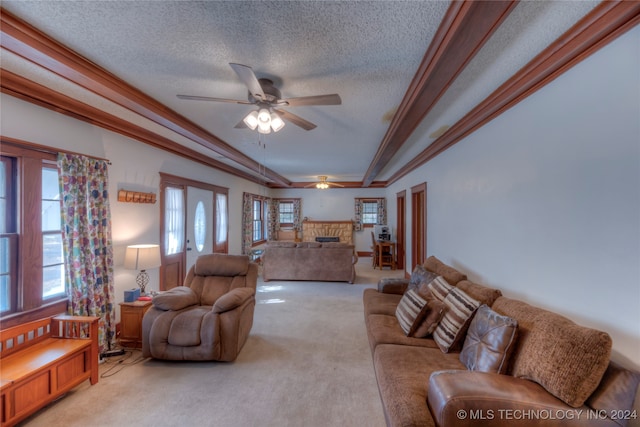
{"points": [[471, 398], [176, 299], [232, 299]]}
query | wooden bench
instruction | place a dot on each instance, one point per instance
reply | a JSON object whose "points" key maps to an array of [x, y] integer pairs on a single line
{"points": [[42, 360]]}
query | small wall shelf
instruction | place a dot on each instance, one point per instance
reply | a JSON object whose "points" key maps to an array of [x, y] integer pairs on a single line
{"points": [[136, 197]]}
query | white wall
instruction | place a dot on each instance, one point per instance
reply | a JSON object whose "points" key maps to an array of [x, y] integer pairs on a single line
{"points": [[544, 201], [135, 166], [333, 204]]}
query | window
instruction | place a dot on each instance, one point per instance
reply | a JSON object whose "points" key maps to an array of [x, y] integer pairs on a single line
{"points": [[369, 212], [200, 226], [8, 234], [52, 258], [285, 213], [221, 222], [258, 220], [174, 220], [32, 281]]}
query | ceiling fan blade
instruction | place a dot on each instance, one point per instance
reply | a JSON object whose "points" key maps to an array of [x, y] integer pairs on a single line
{"points": [[335, 184], [248, 77], [241, 125], [208, 98], [296, 120], [331, 99]]}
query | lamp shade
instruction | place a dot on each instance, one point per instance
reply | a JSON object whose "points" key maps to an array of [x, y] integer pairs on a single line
{"points": [[251, 120], [276, 122], [142, 257]]}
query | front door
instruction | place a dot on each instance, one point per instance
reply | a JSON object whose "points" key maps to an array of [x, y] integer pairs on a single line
{"points": [[200, 224]]}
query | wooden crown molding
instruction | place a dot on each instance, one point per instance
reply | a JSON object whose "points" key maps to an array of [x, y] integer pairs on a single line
{"points": [[28, 42], [602, 25], [23, 88], [466, 27]]}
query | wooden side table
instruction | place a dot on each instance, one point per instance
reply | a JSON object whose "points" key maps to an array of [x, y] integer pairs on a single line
{"points": [[386, 260], [131, 314]]}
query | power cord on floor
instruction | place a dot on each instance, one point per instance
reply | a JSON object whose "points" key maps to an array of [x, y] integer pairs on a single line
{"points": [[121, 362]]}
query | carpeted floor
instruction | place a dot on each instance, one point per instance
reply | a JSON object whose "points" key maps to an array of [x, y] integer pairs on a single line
{"points": [[306, 363]]}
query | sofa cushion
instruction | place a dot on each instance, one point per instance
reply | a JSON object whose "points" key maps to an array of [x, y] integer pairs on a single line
{"points": [[411, 311], [185, 327], [419, 276], [380, 303], [383, 329], [478, 292], [616, 392], [454, 324], [567, 359], [438, 287], [403, 380], [176, 298], [489, 342], [451, 275], [435, 311]]}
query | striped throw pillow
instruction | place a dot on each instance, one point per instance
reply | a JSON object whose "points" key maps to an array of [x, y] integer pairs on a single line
{"points": [[410, 311], [454, 324], [440, 288]]}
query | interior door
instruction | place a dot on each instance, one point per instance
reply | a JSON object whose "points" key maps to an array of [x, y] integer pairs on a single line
{"points": [[400, 229], [418, 224], [200, 224]]}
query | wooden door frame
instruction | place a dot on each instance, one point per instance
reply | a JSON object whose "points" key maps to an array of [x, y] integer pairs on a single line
{"points": [[168, 180], [418, 224], [401, 209]]}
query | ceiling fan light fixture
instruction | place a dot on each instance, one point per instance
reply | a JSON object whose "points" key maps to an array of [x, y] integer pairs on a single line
{"points": [[251, 120], [276, 122], [264, 117], [322, 185], [264, 128]]}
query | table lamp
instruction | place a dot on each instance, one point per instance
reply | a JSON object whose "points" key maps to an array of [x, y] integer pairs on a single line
{"points": [[142, 257]]}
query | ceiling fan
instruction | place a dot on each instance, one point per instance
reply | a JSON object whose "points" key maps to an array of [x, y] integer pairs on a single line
{"points": [[267, 97], [323, 184]]}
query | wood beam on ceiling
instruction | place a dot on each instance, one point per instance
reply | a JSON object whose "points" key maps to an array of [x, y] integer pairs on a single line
{"points": [[466, 27], [28, 42], [602, 25], [23, 88]]}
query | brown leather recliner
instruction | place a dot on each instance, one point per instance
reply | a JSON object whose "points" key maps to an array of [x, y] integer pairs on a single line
{"points": [[209, 318]]}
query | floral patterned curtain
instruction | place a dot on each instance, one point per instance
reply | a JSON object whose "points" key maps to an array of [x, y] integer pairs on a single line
{"points": [[247, 222], [86, 234], [273, 218], [297, 209]]}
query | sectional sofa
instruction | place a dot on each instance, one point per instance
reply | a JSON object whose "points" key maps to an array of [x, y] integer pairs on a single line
{"points": [[329, 261], [507, 363]]}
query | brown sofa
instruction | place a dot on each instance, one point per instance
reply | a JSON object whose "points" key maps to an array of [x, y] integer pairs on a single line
{"points": [[516, 365], [209, 318], [331, 261]]}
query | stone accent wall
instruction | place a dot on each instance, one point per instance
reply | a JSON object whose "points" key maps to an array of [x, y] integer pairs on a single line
{"points": [[313, 229]]}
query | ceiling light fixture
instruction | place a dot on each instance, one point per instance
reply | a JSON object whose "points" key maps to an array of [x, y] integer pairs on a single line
{"points": [[264, 120]]}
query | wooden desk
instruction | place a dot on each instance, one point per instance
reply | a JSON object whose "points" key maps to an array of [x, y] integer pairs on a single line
{"points": [[386, 260]]}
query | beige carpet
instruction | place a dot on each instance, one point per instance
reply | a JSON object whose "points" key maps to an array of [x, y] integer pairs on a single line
{"points": [[306, 363]]}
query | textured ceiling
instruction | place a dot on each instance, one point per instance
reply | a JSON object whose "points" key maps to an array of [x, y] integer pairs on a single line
{"points": [[367, 51]]}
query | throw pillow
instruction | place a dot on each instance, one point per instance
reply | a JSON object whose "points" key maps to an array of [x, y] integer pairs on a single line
{"points": [[440, 288], [452, 327], [420, 276], [435, 311], [411, 311], [490, 341]]}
